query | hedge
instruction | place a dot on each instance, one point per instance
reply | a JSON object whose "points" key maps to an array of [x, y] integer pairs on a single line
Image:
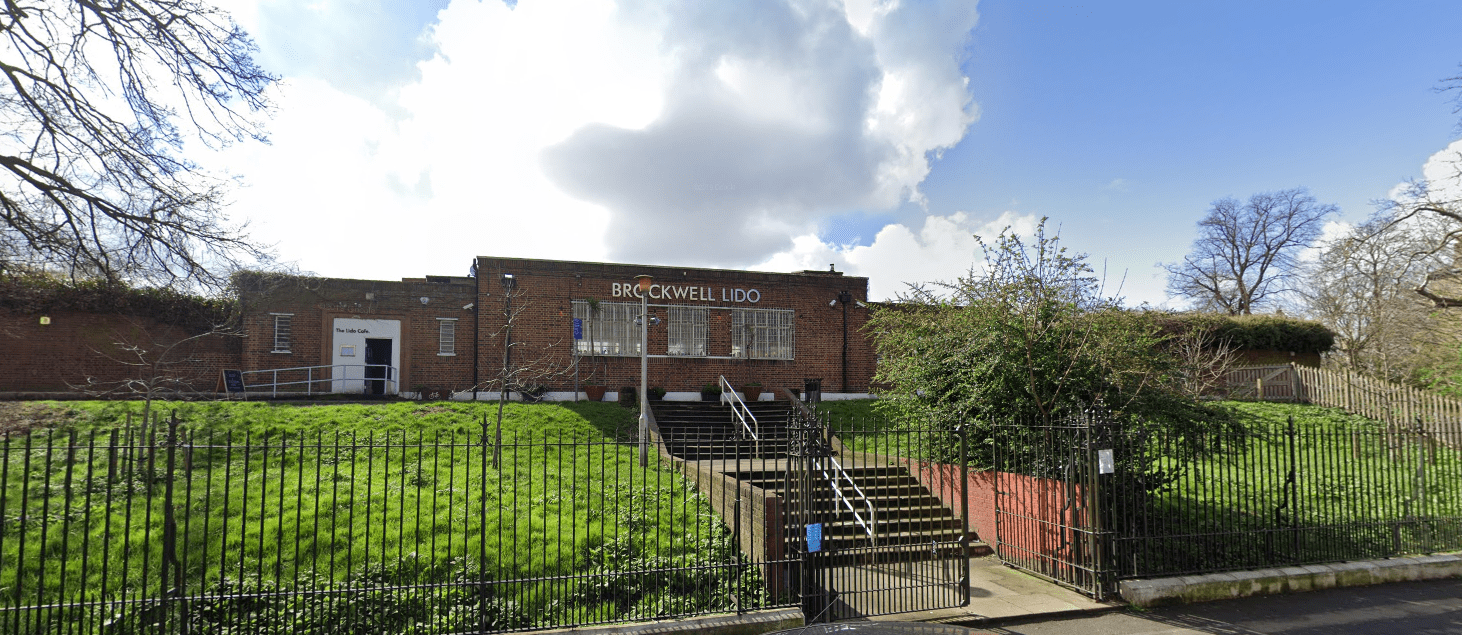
{"points": [[1257, 332]]}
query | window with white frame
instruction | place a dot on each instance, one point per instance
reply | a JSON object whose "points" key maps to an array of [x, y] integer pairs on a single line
{"points": [[446, 336], [687, 331], [281, 332], [609, 328], [762, 333]]}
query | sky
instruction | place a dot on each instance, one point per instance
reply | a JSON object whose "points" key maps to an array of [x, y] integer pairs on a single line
{"points": [[875, 136]]}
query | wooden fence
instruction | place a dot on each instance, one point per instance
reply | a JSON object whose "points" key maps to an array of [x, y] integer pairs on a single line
{"points": [[1394, 404]]}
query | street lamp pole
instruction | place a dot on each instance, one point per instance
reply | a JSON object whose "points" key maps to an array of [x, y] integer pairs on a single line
{"points": [[644, 285]]}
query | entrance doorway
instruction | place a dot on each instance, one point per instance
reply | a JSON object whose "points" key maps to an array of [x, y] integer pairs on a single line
{"points": [[378, 365]]}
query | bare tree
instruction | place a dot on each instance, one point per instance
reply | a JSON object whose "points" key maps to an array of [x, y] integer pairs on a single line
{"points": [[97, 99], [1361, 286], [1204, 360], [1246, 253], [523, 370], [1426, 210], [163, 364]]}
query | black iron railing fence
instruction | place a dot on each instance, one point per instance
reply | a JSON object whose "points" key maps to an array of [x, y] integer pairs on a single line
{"points": [[164, 529], [1290, 494], [1088, 500], [167, 529]]}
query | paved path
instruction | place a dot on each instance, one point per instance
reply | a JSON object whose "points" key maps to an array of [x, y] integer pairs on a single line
{"points": [[1419, 608], [998, 592]]}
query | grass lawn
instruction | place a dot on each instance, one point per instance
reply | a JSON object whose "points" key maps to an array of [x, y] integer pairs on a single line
{"points": [[387, 516], [1359, 490]]}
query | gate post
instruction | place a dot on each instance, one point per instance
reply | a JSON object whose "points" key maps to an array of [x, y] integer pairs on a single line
{"points": [[1096, 533], [964, 512], [814, 582]]}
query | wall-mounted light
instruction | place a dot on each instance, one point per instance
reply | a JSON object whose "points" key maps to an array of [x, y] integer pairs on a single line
{"points": [[425, 300], [509, 282], [45, 320]]}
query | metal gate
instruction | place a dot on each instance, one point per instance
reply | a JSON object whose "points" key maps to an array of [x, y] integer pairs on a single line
{"points": [[870, 515], [1048, 500]]}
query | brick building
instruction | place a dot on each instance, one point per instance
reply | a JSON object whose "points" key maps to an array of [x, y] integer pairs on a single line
{"points": [[382, 337], [448, 334]]}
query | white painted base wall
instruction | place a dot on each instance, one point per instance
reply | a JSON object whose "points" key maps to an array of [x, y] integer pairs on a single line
{"points": [[612, 396]]}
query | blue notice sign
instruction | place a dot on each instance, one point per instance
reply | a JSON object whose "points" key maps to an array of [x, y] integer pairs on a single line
{"points": [[578, 328], [814, 538]]}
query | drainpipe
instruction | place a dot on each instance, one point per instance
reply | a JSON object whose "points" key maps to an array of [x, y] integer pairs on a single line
{"points": [[845, 298]]}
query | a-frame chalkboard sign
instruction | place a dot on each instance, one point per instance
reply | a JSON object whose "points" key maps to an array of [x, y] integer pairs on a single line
{"points": [[232, 382]]}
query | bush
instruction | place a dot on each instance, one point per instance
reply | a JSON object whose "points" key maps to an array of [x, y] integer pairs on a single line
{"points": [[1029, 338]]}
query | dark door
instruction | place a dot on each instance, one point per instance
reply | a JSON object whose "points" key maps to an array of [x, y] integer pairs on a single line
{"points": [[378, 365]]}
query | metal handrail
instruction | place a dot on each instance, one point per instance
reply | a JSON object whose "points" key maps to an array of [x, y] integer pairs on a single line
{"points": [[309, 381], [838, 494], [737, 413]]}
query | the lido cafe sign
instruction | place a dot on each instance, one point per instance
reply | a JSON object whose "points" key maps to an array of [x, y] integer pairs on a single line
{"points": [[688, 293]]}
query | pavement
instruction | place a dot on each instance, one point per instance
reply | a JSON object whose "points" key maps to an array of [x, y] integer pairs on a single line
{"points": [[1432, 607], [997, 594]]}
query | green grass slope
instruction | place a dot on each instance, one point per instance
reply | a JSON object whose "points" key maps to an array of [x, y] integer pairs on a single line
{"points": [[383, 517]]}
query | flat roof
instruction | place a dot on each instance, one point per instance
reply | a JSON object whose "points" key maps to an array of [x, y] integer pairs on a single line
{"points": [[585, 263]]}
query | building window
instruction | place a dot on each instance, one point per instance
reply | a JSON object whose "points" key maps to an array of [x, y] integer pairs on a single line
{"points": [[609, 329], [687, 331], [281, 332], [762, 333], [446, 336]]}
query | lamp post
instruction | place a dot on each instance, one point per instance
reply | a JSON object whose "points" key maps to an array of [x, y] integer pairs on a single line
{"points": [[644, 285]]}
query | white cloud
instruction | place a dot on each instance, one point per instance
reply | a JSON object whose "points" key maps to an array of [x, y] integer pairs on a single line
{"points": [[944, 248], [347, 189], [1443, 172], [690, 132], [775, 117]]}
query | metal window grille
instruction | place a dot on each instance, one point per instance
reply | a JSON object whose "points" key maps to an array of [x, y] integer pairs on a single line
{"points": [[446, 336], [281, 332], [687, 330], [762, 333], [609, 329]]}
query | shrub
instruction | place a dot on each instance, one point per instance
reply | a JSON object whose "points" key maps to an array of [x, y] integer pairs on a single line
{"points": [[1029, 338]]}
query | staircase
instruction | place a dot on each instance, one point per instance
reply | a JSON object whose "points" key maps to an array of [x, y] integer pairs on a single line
{"points": [[708, 431], [907, 518]]}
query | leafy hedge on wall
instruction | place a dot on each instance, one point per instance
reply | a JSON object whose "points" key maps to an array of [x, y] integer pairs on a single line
{"points": [[38, 294], [1257, 332]]}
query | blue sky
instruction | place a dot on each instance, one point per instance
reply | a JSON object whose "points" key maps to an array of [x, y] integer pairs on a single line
{"points": [[788, 134], [1123, 121]]}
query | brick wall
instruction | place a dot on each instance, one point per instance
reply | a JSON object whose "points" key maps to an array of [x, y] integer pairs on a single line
{"points": [[1032, 516], [1258, 357], [542, 329], [81, 351]]}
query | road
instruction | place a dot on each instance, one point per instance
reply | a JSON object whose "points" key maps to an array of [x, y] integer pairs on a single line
{"points": [[1420, 608]]}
